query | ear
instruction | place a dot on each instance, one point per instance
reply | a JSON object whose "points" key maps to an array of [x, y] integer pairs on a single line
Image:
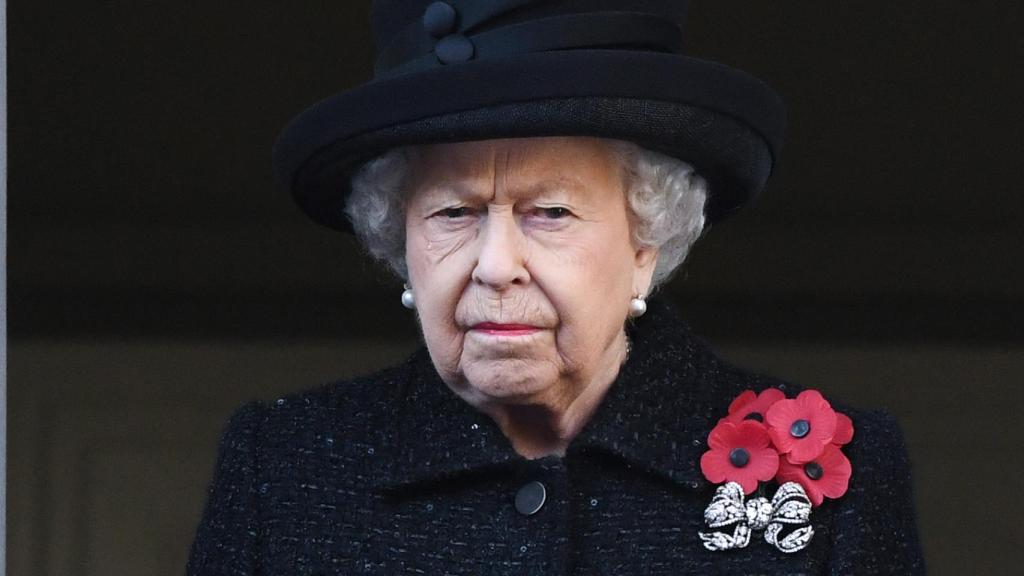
{"points": [[645, 260]]}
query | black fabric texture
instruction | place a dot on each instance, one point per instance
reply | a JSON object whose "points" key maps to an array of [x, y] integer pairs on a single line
{"points": [[317, 151], [392, 473]]}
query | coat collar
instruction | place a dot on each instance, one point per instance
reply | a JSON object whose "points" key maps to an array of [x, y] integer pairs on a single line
{"points": [[656, 415]]}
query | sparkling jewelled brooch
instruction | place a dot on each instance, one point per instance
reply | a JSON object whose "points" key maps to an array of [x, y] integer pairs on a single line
{"points": [[795, 442]]}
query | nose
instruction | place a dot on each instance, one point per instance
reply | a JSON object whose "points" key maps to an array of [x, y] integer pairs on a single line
{"points": [[501, 261]]}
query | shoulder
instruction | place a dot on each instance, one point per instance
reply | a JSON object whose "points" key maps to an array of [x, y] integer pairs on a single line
{"points": [[876, 432], [272, 454], [346, 405], [332, 421], [878, 440], [875, 522], [874, 427], [880, 462]]}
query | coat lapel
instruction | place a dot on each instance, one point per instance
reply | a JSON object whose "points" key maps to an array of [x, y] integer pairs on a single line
{"points": [[655, 416]]}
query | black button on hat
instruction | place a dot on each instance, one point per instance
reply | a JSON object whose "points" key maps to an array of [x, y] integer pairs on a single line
{"points": [[530, 498], [439, 19], [454, 48]]}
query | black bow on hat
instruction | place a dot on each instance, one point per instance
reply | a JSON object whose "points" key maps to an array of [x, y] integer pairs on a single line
{"points": [[458, 70]]}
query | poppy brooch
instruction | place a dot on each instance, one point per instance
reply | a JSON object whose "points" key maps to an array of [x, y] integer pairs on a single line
{"points": [[795, 442]]}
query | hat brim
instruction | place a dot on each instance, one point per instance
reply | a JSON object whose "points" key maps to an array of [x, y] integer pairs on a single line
{"points": [[724, 122]]}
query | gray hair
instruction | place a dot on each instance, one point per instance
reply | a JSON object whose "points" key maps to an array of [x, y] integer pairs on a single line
{"points": [[665, 194]]}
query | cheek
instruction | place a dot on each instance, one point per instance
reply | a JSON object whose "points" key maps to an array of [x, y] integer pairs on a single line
{"points": [[438, 272], [589, 280], [596, 266]]}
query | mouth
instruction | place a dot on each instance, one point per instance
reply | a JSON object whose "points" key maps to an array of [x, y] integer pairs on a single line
{"points": [[496, 329]]}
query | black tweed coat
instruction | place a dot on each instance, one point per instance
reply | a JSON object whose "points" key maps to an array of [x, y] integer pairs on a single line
{"points": [[392, 473]]}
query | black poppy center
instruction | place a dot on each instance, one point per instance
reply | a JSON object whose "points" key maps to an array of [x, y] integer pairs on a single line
{"points": [[754, 416], [813, 470], [739, 457], [800, 428]]}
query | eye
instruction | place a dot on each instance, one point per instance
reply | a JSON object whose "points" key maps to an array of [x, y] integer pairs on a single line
{"points": [[554, 212], [455, 212]]}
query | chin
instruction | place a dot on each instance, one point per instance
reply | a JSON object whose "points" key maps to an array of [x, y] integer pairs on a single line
{"points": [[509, 381]]}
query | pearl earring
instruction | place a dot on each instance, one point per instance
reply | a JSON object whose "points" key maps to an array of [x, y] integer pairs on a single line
{"points": [[407, 298], [637, 306]]}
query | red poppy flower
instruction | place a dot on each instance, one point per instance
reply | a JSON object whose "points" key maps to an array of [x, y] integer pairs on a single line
{"points": [[740, 453], [801, 427], [752, 406], [844, 430], [828, 475]]}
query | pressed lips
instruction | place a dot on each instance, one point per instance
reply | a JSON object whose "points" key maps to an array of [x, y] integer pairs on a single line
{"points": [[505, 329]]}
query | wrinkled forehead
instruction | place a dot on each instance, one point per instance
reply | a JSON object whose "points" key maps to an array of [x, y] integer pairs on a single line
{"points": [[514, 165]]}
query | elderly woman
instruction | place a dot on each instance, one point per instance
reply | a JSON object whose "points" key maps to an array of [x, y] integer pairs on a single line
{"points": [[533, 171]]}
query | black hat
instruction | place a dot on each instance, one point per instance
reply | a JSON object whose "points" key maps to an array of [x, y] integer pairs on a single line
{"points": [[458, 70]]}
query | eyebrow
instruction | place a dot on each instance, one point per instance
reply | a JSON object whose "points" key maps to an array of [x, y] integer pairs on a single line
{"points": [[462, 190]]}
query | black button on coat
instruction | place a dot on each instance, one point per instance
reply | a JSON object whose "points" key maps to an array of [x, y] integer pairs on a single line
{"points": [[392, 473]]}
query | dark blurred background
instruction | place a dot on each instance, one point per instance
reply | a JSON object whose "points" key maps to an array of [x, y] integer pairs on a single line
{"points": [[158, 278]]}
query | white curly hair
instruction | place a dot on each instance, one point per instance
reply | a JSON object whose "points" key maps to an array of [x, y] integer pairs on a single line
{"points": [[667, 198]]}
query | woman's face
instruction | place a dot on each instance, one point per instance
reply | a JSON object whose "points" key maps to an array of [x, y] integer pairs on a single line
{"points": [[520, 259]]}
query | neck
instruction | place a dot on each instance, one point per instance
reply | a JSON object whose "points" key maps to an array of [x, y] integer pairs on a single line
{"points": [[546, 426]]}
